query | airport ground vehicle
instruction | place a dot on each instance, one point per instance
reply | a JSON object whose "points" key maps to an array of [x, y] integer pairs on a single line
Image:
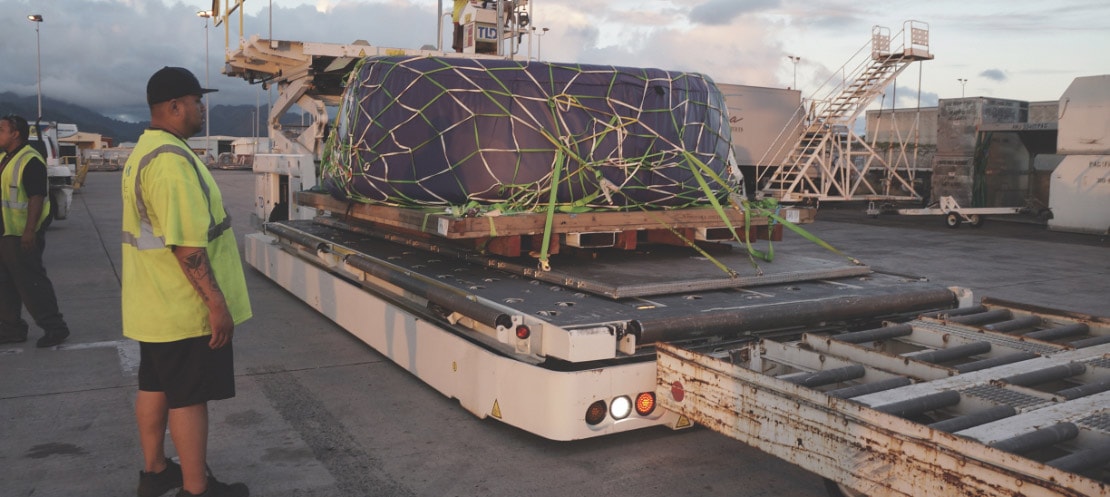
{"points": [[574, 329], [953, 214], [618, 339], [44, 137]]}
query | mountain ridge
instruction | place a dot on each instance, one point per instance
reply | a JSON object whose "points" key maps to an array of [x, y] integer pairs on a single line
{"points": [[228, 120]]}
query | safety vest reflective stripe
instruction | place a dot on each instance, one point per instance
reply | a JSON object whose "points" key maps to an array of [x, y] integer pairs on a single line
{"points": [[13, 190], [21, 161], [147, 240], [215, 231]]}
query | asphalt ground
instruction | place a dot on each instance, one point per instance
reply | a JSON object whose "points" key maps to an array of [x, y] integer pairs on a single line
{"points": [[320, 414]]}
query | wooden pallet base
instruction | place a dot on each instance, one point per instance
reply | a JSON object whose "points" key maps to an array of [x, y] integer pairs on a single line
{"points": [[517, 234]]}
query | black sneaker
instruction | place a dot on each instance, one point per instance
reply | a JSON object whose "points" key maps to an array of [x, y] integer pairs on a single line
{"points": [[156, 484], [52, 339], [218, 489]]}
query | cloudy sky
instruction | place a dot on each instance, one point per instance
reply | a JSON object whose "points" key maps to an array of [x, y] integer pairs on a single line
{"points": [[99, 53]]}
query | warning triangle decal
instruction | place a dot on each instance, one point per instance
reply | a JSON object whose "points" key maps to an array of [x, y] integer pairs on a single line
{"points": [[683, 422], [496, 412]]}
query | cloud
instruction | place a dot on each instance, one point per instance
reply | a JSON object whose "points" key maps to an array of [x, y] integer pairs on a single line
{"points": [[994, 74], [99, 54], [722, 12], [734, 53], [906, 97]]}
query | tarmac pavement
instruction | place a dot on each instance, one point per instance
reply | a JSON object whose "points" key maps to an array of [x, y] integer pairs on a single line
{"points": [[320, 414]]}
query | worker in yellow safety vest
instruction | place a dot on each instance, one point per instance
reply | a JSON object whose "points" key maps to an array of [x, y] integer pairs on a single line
{"points": [[25, 194], [183, 290], [456, 17]]}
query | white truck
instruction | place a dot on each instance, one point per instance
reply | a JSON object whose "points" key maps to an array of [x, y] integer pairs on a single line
{"points": [[609, 342], [44, 137]]}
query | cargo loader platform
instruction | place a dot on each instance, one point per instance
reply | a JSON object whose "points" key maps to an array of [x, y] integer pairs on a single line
{"points": [[538, 350]]}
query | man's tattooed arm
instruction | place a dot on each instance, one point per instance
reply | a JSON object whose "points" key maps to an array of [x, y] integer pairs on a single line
{"points": [[195, 264]]}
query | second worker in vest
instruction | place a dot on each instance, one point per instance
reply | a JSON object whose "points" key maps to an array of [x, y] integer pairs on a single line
{"points": [[25, 214], [183, 290]]}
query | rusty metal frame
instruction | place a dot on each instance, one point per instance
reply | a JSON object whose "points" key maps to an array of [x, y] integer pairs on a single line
{"points": [[752, 395], [864, 449]]}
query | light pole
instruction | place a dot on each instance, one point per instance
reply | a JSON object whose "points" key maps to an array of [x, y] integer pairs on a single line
{"points": [[539, 43], [795, 59], [37, 19], [207, 140], [963, 86]]}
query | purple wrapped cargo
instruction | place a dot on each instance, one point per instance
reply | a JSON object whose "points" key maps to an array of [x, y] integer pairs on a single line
{"points": [[420, 131]]}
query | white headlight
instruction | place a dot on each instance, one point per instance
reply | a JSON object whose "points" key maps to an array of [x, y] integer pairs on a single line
{"points": [[621, 407]]}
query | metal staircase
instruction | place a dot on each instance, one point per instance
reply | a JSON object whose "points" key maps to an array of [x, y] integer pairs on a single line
{"points": [[827, 160]]}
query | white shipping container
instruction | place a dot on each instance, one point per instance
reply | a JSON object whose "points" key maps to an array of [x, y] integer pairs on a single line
{"points": [[1085, 117], [1079, 194], [758, 117]]}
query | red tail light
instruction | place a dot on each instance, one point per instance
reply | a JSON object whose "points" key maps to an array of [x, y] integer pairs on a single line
{"points": [[645, 403], [522, 332], [596, 412]]}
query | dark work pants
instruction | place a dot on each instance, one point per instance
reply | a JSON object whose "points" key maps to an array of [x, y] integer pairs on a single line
{"points": [[23, 280], [457, 38]]}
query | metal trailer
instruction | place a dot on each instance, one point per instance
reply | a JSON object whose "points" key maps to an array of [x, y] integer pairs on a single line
{"points": [[997, 399], [967, 133], [953, 214]]}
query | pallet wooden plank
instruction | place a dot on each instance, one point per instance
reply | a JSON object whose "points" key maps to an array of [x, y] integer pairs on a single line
{"points": [[531, 223]]}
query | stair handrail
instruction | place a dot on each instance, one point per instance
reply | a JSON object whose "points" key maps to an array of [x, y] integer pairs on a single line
{"points": [[785, 139], [808, 109], [836, 105]]}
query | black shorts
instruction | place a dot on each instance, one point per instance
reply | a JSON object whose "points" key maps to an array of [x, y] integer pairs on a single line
{"points": [[187, 371]]}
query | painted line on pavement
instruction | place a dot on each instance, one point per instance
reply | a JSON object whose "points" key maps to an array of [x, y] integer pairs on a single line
{"points": [[128, 352]]}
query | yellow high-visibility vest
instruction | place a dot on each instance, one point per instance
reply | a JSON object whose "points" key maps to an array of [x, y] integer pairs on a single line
{"points": [[15, 199], [170, 199]]}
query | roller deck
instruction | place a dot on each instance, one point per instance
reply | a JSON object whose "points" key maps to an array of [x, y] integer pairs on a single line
{"points": [[998, 399]]}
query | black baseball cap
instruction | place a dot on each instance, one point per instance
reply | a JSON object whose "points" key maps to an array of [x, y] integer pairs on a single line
{"points": [[170, 83]]}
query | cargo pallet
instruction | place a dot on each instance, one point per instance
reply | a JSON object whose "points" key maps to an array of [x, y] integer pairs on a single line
{"points": [[510, 234]]}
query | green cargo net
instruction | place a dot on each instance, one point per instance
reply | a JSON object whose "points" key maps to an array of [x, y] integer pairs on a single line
{"points": [[491, 134]]}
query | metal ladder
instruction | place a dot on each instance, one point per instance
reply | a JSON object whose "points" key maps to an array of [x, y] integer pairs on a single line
{"points": [[820, 164]]}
